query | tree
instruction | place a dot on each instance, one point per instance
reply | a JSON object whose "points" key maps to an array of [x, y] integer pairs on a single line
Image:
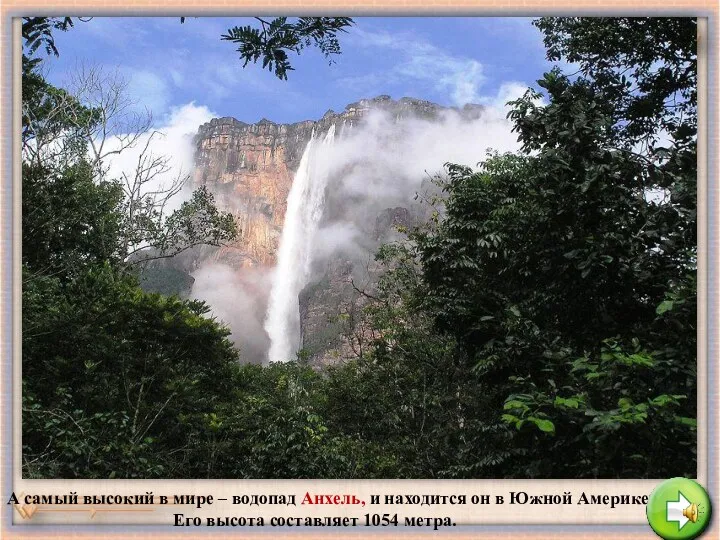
{"points": [[118, 382], [275, 38], [107, 369], [110, 371], [271, 42], [87, 327], [272, 425], [92, 119], [553, 288], [557, 274], [70, 222], [37, 32], [647, 66], [411, 400], [92, 123]]}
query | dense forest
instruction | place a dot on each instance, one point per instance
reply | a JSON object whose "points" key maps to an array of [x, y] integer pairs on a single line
{"points": [[542, 324]]}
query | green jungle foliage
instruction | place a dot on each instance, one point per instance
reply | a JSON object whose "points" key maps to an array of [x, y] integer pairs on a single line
{"points": [[542, 325]]}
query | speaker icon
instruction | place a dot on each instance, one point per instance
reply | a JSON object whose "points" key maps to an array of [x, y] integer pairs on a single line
{"points": [[682, 511], [691, 512]]}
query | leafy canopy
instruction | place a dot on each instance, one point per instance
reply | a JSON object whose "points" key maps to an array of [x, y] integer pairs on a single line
{"points": [[276, 38]]}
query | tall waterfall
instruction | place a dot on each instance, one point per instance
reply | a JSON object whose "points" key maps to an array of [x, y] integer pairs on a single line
{"points": [[302, 217]]}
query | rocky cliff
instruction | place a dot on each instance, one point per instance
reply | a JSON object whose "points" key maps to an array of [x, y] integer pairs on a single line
{"points": [[250, 168]]}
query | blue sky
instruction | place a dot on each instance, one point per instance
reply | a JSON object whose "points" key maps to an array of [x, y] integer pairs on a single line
{"points": [[446, 60]]}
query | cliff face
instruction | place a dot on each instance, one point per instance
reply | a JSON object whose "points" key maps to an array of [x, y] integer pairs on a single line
{"points": [[331, 309], [250, 169]]}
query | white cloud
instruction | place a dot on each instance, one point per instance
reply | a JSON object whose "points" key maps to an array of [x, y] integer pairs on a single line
{"points": [[185, 119], [508, 91], [464, 82], [172, 138], [420, 61]]}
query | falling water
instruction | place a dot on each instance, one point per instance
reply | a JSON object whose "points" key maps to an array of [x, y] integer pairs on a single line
{"points": [[304, 210]]}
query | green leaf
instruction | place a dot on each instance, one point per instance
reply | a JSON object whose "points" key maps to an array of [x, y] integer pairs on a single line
{"points": [[686, 421], [543, 425], [514, 404], [664, 306]]}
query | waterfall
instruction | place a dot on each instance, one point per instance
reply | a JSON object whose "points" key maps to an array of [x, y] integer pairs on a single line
{"points": [[302, 217]]}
